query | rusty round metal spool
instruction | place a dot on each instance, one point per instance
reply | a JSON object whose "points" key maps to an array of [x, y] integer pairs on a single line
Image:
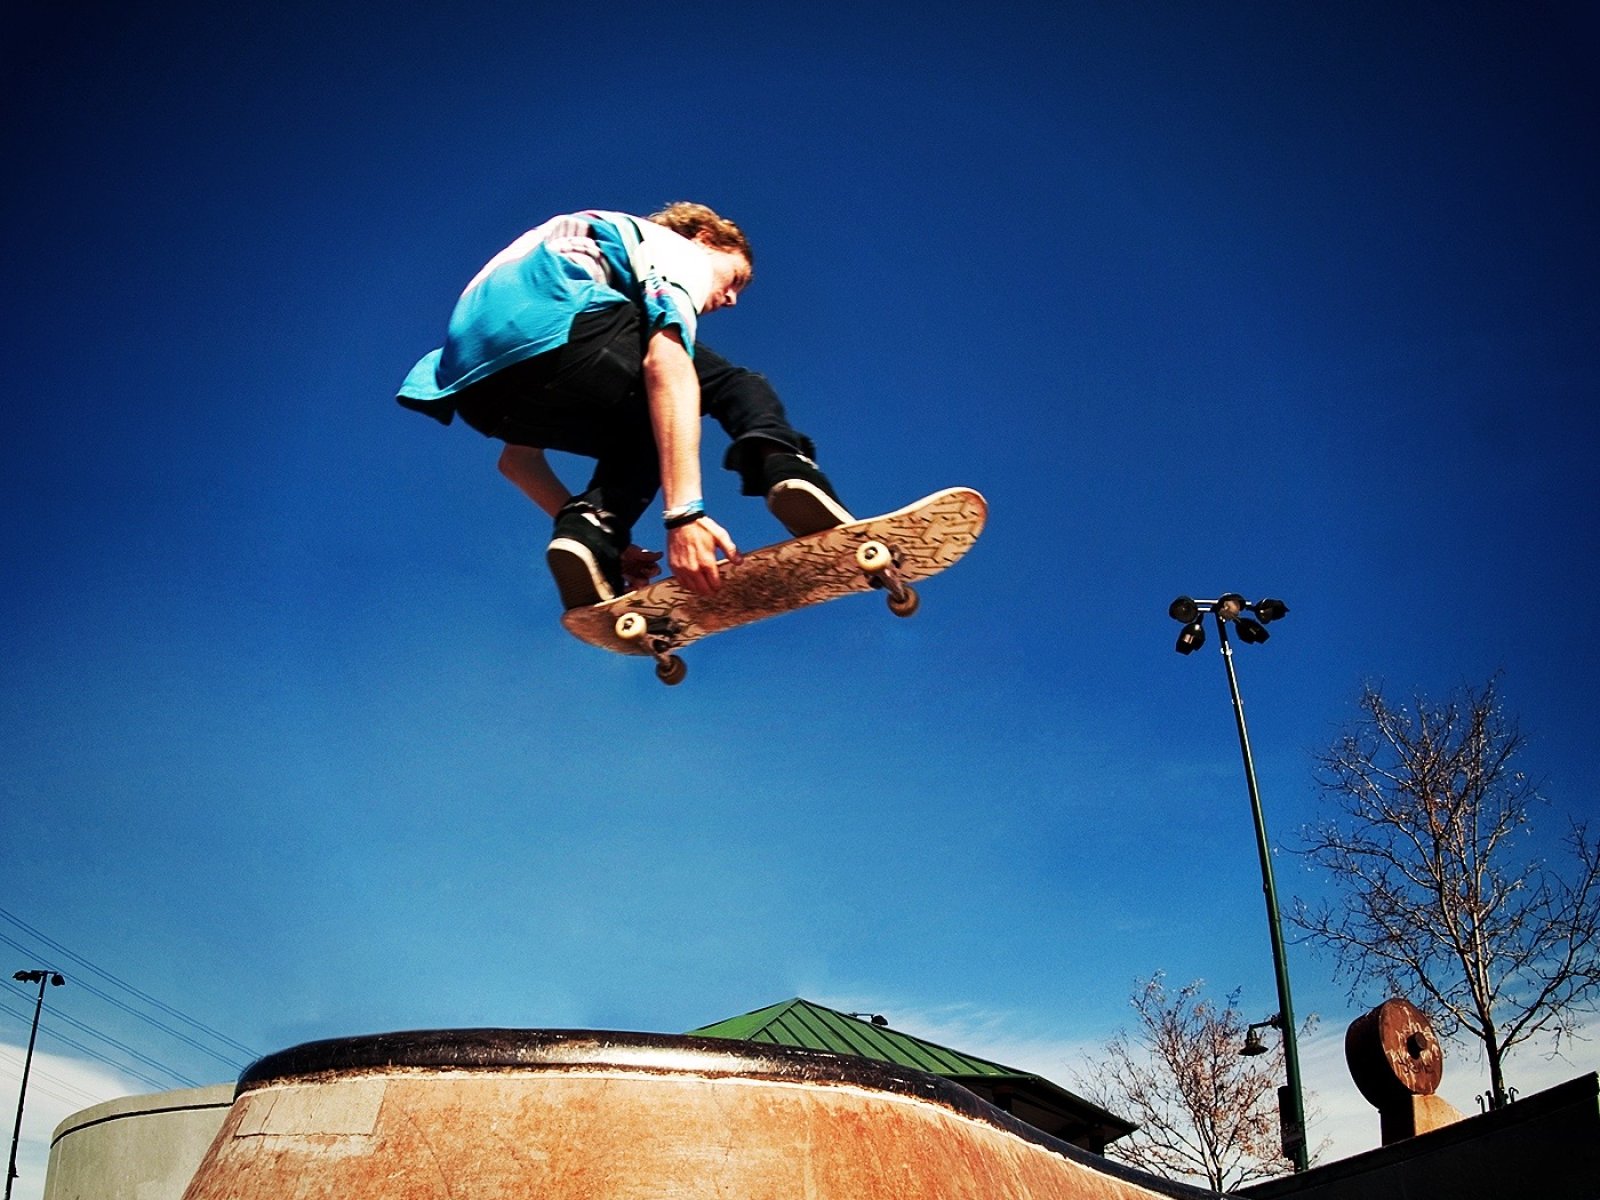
{"points": [[1393, 1054]]}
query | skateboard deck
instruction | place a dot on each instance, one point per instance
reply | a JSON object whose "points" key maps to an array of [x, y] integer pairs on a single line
{"points": [[887, 553]]}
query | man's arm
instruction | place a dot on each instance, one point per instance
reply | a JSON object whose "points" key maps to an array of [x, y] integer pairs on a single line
{"points": [[674, 396]]}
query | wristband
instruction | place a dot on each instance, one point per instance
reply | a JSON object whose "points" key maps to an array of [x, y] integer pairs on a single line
{"points": [[684, 514]]}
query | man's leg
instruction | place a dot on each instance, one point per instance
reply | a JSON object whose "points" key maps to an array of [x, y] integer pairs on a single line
{"points": [[601, 386], [585, 398], [771, 457]]}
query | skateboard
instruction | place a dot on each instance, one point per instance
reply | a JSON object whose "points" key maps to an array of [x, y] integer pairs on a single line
{"points": [[887, 553]]}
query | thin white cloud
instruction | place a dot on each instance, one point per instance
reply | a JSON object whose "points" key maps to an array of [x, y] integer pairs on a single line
{"points": [[57, 1088], [999, 1036], [1351, 1124]]}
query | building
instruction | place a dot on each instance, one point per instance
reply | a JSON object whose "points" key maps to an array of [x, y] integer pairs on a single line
{"points": [[1546, 1145], [137, 1147], [1047, 1107]]}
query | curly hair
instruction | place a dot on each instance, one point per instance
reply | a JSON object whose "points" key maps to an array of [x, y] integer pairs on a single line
{"points": [[689, 219]]}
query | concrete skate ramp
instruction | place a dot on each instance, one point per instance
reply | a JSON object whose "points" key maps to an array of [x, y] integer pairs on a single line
{"points": [[562, 1115]]}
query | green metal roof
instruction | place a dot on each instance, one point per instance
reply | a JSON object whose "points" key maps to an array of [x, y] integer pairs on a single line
{"points": [[1033, 1098], [799, 1022]]}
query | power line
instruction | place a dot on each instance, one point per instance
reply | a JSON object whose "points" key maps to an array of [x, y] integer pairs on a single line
{"points": [[200, 1026], [158, 1084], [120, 1066], [52, 1031], [131, 1011], [43, 1077]]}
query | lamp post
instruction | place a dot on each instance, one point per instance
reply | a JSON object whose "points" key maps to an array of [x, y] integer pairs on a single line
{"points": [[43, 979], [1232, 607]]}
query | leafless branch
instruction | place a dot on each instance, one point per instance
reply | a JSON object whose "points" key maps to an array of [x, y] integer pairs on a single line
{"points": [[1429, 811]]}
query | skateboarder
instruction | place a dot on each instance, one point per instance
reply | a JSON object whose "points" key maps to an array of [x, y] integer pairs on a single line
{"points": [[581, 336]]}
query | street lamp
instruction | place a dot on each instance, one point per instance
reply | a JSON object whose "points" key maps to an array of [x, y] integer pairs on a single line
{"points": [[1251, 620], [43, 979], [1253, 1045]]}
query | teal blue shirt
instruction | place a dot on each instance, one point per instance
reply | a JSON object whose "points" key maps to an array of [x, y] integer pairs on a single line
{"points": [[524, 300]]}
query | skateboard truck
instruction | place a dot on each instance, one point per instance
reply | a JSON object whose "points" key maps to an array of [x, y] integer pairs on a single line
{"points": [[657, 637], [881, 566]]}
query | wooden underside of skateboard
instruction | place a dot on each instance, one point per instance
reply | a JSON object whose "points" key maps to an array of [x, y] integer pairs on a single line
{"points": [[888, 553]]}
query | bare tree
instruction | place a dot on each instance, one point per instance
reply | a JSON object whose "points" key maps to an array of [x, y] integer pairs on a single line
{"points": [[1204, 1112], [1436, 894]]}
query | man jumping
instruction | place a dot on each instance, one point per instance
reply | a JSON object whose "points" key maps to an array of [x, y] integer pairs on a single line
{"points": [[581, 337]]}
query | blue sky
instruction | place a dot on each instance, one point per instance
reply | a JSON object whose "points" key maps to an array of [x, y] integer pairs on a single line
{"points": [[1293, 300]]}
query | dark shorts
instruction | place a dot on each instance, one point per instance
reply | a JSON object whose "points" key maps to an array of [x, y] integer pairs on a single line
{"points": [[587, 397], [574, 398]]}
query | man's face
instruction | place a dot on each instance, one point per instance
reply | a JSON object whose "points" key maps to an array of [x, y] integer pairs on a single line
{"points": [[730, 272]]}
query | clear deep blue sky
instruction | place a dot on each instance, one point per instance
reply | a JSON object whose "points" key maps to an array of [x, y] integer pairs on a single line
{"points": [[1287, 299]]}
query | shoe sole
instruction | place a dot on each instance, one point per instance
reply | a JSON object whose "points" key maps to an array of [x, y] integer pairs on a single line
{"points": [[804, 508], [576, 573]]}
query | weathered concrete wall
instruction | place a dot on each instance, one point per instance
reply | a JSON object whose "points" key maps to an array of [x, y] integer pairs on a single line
{"points": [[135, 1148], [501, 1114]]}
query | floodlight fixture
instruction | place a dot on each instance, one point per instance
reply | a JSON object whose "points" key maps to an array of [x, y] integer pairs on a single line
{"points": [[1184, 609], [1270, 610], [1191, 637], [55, 978], [1229, 606], [1250, 630]]}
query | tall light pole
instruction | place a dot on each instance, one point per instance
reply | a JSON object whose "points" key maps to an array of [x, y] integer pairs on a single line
{"points": [[43, 979], [1252, 630]]}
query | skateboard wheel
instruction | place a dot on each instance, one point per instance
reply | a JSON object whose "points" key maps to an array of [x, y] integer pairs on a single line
{"points": [[906, 604], [671, 670], [873, 557], [630, 627]]}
